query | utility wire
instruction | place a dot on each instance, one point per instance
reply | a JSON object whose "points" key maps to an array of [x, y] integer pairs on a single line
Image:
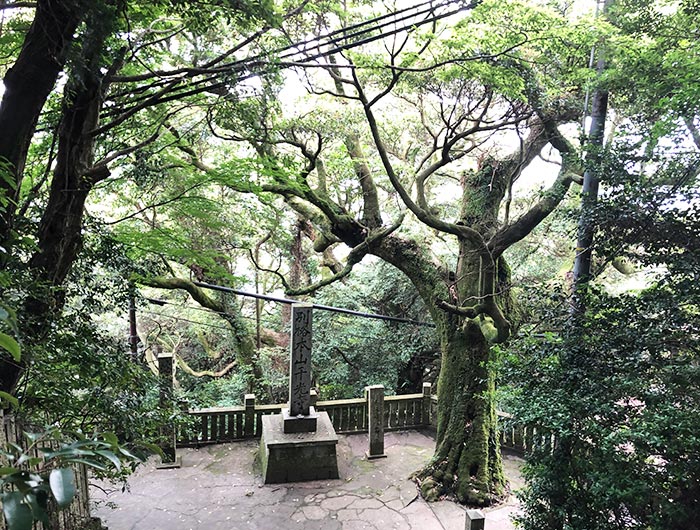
{"points": [[339, 44], [183, 319], [160, 302], [347, 34], [156, 301], [280, 300]]}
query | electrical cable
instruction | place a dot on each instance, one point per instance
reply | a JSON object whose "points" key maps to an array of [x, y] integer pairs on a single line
{"points": [[321, 307], [156, 301], [183, 319], [246, 64]]}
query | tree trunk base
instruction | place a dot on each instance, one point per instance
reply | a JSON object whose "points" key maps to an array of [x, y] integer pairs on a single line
{"points": [[437, 481]]}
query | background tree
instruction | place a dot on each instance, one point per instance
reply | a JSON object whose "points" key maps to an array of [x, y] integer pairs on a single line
{"points": [[92, 132], [617, 387]]}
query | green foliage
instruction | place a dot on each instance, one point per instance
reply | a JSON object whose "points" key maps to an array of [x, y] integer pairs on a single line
{"points": [[352, 352], [619, 386], [655, 61], [619, 398], [225, 391], [29, 483]]}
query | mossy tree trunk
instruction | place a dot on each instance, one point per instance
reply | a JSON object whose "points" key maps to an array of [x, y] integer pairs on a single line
{"points": [[467, 460]]}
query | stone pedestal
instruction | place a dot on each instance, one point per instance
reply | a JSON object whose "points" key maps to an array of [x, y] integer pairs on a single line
{"points": [[298, 457], [297, 424]]}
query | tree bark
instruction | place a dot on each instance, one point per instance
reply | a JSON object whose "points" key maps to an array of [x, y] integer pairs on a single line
{"points": [[27, 85], [467, 462], [60, 229]]}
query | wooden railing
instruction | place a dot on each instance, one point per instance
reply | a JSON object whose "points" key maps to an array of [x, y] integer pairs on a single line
{"points": [[404, 412], [411, 411], [347, 415]]}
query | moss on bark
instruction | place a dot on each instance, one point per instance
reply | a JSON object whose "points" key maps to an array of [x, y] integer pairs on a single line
{"points": [[467, 462]]}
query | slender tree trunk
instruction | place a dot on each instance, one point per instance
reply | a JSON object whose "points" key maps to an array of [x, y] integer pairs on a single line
{"points": [[60, 228], [591, 180]]}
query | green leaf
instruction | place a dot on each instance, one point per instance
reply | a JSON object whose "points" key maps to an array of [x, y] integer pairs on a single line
{"points": [[111, 439], [37, 503], [10, 344], [88, 462], [62, 482], [17, 514], [109, 455], [12, 400], [7, 470]]}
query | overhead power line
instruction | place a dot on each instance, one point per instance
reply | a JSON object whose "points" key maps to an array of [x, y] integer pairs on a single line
{"points": [[302, 52], [358, 34]]}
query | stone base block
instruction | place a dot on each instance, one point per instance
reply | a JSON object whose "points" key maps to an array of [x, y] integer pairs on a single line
{"points": [[176, 464], [298, 457], [296, 424]]}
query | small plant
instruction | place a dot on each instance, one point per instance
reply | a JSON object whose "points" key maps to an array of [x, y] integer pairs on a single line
{"points": [[43, 473]]}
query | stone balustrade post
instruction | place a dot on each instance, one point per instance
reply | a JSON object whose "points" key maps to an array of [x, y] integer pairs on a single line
{"points": [[474, 520], [166, 399], [375, 419], [249, 416], [427, 389]]}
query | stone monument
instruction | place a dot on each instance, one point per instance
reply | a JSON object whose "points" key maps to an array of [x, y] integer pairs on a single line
{"points": [[299, 444], [300, 416]]}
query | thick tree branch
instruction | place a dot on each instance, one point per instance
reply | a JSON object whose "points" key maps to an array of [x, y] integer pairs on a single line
{"points": [[465, 311], [197, 294], [355, 256], [570, 172], [525, 224], [208, 373]]}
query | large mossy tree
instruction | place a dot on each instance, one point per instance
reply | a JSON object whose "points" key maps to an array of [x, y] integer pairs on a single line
{"points": [[414, 145]]}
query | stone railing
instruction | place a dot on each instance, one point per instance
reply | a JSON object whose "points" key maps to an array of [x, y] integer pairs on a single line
{"points": [[410, 411]]}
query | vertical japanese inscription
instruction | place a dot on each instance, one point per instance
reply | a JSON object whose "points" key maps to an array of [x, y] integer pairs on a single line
{"points": [[300, 360]]}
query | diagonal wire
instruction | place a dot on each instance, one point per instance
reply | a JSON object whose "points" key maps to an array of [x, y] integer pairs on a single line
{"points": [[339, 44]]}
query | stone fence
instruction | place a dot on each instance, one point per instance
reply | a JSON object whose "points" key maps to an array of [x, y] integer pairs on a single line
{"points": [[349, 416]]}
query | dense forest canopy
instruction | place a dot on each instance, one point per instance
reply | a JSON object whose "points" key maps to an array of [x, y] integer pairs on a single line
{"points": [[443, 161]]}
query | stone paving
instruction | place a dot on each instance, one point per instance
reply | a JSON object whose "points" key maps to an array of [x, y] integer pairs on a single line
{"points": [[218, 488]]}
